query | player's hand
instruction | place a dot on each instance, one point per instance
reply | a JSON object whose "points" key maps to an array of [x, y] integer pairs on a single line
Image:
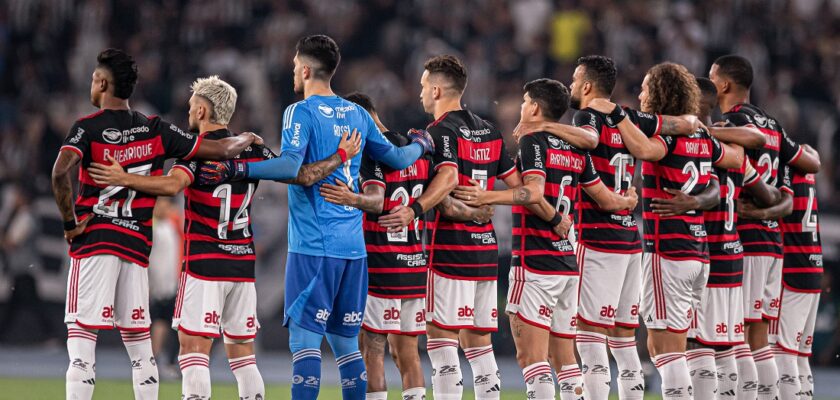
{"points": [[527, 128], [398, 218], [562, 229], [748, 210], [680, 203], [351, 143], [257, 139], [603, 106], [631, 198], [472, 195], [339, 193], [423, 138], [78, 230], [216, 172], [483, 214], [108, 174]]}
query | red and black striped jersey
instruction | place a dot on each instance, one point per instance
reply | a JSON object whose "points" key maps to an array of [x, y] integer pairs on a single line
{"points": [[121, 223], [686, 167], [612, 232], [535, 245], [218, 242], [397, 262], [726, 254], [762, 238], [803, 262], [468, 250]]}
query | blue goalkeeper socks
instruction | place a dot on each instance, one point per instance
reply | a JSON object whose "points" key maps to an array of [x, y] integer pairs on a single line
{"points": [[351, 367], [306, 362]]}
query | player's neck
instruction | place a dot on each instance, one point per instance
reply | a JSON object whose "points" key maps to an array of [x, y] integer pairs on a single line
{"points": [[379, 124], [584, 102], [317, 88], [113, 103], [731, 100], [447, 105], [209, 127]]}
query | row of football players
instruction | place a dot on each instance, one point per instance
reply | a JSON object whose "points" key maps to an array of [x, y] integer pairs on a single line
{"points": [[711, 284]]}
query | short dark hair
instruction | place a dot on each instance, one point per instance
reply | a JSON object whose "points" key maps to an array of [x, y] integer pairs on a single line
{"points": [[738, 69], [322, 49], [552, 97], [450, 67], [362, 100], [707, 87], [123, 70], [600, 70]]}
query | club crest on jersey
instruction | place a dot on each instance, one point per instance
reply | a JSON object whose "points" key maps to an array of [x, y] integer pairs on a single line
{"points": [[554, 142], [760, 120], [466, 132], [112, 135], [326, 110]]}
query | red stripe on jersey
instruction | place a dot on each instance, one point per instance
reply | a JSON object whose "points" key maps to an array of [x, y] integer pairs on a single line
{"points": [[73, 149], [222, 256]]}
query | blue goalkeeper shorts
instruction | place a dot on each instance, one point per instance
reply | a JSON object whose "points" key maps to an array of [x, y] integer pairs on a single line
{"points": [[325, 294]]}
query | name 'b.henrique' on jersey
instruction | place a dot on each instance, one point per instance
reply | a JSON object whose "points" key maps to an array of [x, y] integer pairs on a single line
{"points": [[763, 238], [121, 225], [397, 262], [612, 232], [687, 167], [218, 241], [468, 250], [535, 245]]}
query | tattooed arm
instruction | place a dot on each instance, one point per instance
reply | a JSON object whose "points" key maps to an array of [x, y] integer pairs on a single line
{"points": [[63, 192], [456, 210], [310, 174]]}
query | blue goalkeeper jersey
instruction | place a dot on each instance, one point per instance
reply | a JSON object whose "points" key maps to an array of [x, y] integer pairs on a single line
{"points": [[313, 128]]}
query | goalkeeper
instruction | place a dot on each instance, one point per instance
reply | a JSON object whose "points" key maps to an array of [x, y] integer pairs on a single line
{"points": [[326, 270]]}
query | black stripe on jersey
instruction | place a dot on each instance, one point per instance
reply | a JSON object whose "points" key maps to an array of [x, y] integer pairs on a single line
{"points": [[803, 259]]}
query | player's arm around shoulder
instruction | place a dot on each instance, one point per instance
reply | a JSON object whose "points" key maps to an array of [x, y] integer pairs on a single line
{"points": [[112, 174], [653, 148]]}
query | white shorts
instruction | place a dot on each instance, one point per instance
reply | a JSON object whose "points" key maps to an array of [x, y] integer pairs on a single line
{"points": [[794, 331], [461, 304], [105, 291], [545, 301], [719, 319], [610, 286], [397, 316], [762, 287], [205, 308], [672, 290]]}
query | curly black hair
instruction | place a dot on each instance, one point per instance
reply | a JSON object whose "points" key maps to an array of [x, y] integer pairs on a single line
{"points": [[123, 70], [450, 67], [672, 90]]}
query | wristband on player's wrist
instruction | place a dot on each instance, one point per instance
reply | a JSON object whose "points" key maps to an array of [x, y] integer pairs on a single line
{"points": [[70, 225], [558, 218], [342, 154], [617, 115], [417, 208]]}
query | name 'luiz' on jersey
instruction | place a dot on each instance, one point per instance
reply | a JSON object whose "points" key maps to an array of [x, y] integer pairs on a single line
{"points": [[397, 262], [121, 223]]}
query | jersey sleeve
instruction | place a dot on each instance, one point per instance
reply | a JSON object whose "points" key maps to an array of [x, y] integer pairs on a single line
{"points": [[649, 124], [297, 129], [506, 164], [378, 147], [176, 142], [589, 176], [738, 119], [751, 176], [532, 153], [446, 147], [784, 183], [371, 173], [717, 150], [789, 151], [587, 120], [77, 140], [189, 167]]}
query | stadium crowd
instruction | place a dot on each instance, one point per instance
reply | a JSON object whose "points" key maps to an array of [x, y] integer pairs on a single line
{"points": [[47, 47]]}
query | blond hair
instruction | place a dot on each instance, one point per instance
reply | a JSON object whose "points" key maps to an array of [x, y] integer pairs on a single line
{"points": [[220, 94]]}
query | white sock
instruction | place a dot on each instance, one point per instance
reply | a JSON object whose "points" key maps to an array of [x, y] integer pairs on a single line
{"points": [[701, 368], [488, 384], [631, 380], [806, 379], [195, 372], [144, 372], [768, 373], [81, 373], [417, 393], [789, 384], [595, 365], [248, 378], [727, 375], [376, 396], [571, 382], [747, 374], [539, 384], [447, 381], [676, 382]]}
